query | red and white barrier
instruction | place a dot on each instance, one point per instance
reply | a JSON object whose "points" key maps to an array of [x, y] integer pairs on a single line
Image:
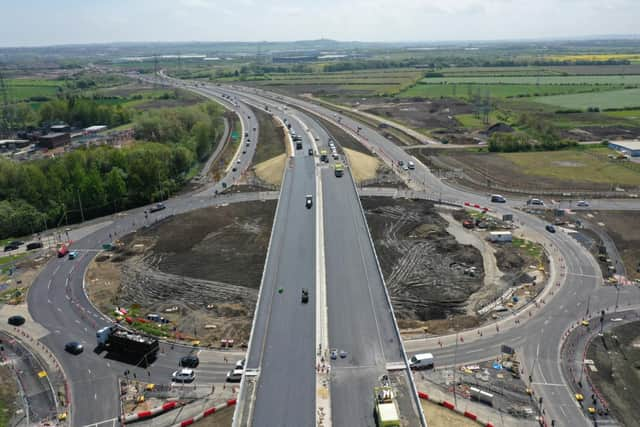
{"points": [[142, 415], [206, 413]]}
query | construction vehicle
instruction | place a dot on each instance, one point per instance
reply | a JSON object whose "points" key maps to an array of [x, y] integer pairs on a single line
{"points": [[339, 169], [386, 410], [139, 349]]}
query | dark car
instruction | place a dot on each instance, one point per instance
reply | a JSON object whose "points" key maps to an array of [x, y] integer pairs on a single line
{"points": [[34, 245], [10, 248], [73, 347], [157, 207], [16, 320], [17, 243], [305, 295], [311, 151], [190, 361], [496, 198], [550, 228]]}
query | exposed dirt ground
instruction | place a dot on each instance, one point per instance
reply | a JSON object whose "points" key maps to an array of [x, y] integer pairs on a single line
{"points": [[486, 171], [201, 270], [223, 418], [363, 167], [624, 228], [423, 265], [439, 416], [270, 171], [8, 395], [616, 356]]}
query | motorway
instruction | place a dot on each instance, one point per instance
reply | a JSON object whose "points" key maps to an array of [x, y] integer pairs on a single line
{"points": [[537, 338], [57, 300]]}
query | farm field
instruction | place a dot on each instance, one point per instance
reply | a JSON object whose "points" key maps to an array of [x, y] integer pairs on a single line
{"points": [[495, 90], [603, 100], [540, 80], [24, 89]]}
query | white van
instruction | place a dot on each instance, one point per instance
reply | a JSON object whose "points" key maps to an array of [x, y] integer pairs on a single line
{"points": [[421, 361]]}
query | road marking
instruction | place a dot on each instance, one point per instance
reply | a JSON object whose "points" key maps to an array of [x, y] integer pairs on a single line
{"points": [[95, 396], [549, 384], [59, 309], [55, 270], [89, 371], [49, 287]]}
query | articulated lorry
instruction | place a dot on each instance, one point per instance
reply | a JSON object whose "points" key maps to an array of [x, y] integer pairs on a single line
{"points": [[135, 348]]}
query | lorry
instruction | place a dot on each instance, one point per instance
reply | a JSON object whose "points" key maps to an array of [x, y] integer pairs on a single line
{"points": [[323, 156], [139, 349], [339, 169], [386, 410], [500, 236]]}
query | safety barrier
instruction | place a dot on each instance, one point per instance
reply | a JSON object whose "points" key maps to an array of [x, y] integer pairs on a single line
{"points": [[206, 413], [142, 415], [467, 414]]}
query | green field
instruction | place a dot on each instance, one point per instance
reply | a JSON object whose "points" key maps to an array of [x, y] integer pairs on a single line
{"points": [[602, 100], [22, 89], [493, 90], [540, 80], [470, 121], [591, 165]]}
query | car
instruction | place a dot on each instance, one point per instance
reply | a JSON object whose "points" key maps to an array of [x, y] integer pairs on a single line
{"points": [[238, 161], [240, 364], [411, 165], [244, 151], [311, 151], [405, 167], [73, 347], [550, 228], [16, 320], [535, 202], [34, 245], [305, 295], [235, 376], [334, 353], [497, 198], [10, 248], [308, 201], [184, 375], [73, 255], [189, 361], [400, 163], [582, 204], [233, 170], [157, 207]]}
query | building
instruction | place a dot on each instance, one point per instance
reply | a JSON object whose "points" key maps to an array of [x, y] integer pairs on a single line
{"points": [[60, 128], [13, 144], [54, 140], [94, 129], [630, 148]]}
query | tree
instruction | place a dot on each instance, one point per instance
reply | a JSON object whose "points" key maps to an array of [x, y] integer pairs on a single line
{"points": [[115, 187]]}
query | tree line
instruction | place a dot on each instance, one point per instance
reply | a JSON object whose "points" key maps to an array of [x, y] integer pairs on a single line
{"points": [[102, 180]]}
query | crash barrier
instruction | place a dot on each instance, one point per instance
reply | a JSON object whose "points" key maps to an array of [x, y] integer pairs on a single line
{"points": [[467, 414], [206, 413], [150, 413]]}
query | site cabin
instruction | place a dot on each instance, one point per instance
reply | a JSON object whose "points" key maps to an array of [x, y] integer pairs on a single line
{"points": [[500, 236], [339, 169], [386, 411]]}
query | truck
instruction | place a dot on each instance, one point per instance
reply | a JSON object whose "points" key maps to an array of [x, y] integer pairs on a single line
{"points": [[421, 361], [500, 236], [137, 348], [323, 156], [386, 410], [339, 169]]}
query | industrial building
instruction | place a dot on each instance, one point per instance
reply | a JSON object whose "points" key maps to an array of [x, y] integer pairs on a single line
{"points": [[60, 128], [54, 140], [630, 148]]}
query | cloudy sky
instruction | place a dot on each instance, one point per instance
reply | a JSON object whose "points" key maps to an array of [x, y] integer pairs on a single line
{"points": [[45, 22]]}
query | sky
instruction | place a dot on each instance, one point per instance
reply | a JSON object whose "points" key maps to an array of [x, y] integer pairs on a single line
{"points": [[51, 22]]}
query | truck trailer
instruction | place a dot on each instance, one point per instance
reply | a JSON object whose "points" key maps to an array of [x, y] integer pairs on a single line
{"points": [[137, 348]]}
